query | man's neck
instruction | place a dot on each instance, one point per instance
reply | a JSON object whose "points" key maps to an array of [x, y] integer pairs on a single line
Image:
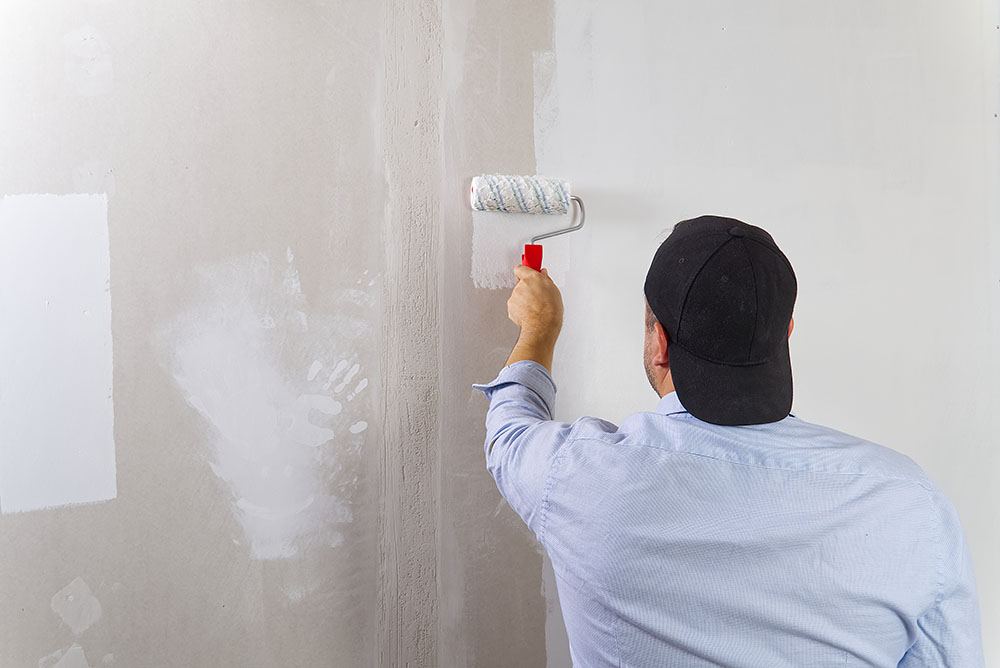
{"points": [[666, 385]]}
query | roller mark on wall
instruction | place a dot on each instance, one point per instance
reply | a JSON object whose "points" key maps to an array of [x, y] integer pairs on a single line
{"points": [[88, 62], [497, 243], [248, 359]]}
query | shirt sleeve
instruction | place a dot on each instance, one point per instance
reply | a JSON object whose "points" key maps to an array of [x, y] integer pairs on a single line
{"points": [[522, 440], [949, 634]]}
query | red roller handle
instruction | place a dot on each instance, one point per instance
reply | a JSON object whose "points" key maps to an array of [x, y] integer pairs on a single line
{"points": [[532, 256]]}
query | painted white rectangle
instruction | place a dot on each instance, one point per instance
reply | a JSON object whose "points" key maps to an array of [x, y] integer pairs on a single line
{"points": [[56, 413]]}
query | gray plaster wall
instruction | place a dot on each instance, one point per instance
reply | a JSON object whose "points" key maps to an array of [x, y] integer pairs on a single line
{"points": [[285, 209]]}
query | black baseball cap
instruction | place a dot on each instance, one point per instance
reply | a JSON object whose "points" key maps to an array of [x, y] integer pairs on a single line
{"points": [[724, 293]]}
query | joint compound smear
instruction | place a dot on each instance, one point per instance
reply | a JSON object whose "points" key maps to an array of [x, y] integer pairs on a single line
{"points": [[76, 606], [285, 438]]}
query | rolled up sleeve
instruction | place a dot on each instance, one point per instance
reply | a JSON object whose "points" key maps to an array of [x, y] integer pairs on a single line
{"points": [[522, 440]]}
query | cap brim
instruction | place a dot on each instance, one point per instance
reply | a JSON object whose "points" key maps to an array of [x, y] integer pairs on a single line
{"points": [[733, 395]]}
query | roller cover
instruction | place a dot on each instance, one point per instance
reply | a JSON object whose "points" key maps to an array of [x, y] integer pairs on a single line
{"points": [[520, 194]]}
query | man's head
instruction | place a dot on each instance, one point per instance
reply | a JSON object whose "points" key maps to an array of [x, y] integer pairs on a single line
{"points": [[719, 299]]}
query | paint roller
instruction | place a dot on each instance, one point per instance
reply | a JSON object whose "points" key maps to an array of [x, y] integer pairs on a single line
{"points": [[527, 194]]}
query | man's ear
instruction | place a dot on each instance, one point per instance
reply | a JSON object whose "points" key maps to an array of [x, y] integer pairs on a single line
{"points": [[659, 357]]}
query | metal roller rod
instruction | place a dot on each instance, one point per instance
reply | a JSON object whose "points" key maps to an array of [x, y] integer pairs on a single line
{"points": [[582, 217]]}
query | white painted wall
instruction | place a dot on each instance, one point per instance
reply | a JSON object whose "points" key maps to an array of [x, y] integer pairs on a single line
{"points": [[864, 137]]}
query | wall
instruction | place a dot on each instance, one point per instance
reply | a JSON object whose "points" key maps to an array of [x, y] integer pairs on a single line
{"points": [[864, 137], [240, 149], [295, 472]]}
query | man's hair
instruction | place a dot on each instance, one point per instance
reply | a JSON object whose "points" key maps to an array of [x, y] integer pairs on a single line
{"points": [[651, 321], [650, 318]]}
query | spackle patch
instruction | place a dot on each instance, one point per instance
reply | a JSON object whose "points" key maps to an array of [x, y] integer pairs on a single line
{"points": [[77, 606], [88, 62], [251, 363], [72, 657], [358, 427], [56, 408]]}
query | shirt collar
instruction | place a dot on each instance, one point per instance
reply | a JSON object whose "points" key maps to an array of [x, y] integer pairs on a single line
{"points": [[670, 403]]}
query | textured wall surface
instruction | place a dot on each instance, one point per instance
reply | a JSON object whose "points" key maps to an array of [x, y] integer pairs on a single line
{"points": [[295, 327], [240, 146], [492, 610]]}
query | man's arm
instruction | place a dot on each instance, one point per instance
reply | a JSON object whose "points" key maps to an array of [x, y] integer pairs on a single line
{"points": [[948, 635], [536, 307], [522, 440]]}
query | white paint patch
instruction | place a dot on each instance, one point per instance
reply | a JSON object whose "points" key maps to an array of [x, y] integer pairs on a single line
{"points": [[339, 369], [76, 606], [498, 241], [284, 450], [88, 62], [56, 413], [347, 379], [72, 657], [94, 176], [362, 384], [358, 427]]}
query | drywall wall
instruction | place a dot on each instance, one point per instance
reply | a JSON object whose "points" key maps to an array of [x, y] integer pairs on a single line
{"points": [[490, 569], [864, 137], [236, 153], [293, 329], [294, 318]]}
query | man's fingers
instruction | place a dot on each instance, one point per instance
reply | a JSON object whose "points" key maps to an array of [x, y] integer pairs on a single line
{"points": [[522, 271]]}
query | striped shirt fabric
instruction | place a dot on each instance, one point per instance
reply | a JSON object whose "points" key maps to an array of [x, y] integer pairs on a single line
{"points": [[677, 542]]}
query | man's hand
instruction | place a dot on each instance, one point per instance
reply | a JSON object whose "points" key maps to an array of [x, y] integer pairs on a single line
{"points": [[536, 307]]}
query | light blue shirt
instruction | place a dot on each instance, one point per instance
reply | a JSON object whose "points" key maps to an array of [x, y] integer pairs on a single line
{"points": [[676, 542]]}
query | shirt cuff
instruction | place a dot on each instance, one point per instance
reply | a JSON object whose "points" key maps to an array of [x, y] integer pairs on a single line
{"points": [[529, 373]]}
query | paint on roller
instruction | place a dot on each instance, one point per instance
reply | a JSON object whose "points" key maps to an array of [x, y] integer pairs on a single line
{"points": [[281, 441], [510, 193], [56, 357]]}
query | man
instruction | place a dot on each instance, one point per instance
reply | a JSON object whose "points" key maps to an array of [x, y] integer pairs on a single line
{"points": [[720, 529]]}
